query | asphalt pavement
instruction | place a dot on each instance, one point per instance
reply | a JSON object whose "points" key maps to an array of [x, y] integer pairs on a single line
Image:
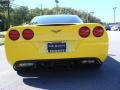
{"points": [[106, 78]]}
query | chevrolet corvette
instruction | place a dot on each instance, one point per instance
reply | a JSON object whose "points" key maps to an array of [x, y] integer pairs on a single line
{"points": [[56, 39]]}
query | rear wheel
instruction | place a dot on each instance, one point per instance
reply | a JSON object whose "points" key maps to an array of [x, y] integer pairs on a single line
{"points": [[23, 71], [95, 65], [26, 73]]}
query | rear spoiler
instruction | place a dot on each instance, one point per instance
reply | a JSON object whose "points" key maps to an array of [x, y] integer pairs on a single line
{"points": [[57, 24]]}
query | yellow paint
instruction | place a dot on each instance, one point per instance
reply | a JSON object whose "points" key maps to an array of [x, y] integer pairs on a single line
{"points": [[36, 49]]}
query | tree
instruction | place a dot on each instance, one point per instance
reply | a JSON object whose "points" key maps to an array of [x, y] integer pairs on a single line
{"points": [[19, 15], [5, 11], [23, 14]]}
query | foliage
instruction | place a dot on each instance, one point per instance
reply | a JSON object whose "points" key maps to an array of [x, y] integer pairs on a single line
{"points": [[19, 15], [4, 4], [22, 14]]}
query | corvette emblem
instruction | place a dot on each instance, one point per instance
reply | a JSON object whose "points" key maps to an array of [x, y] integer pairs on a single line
{"points": [[55, 31]]}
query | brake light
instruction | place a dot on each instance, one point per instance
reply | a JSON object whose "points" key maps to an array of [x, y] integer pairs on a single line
{"points": [[98, 31], [28, 34], [14, 35], [84, 32]]}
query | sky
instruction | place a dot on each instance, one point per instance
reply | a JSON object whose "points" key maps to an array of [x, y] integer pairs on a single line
{"points": [[102, 9]]}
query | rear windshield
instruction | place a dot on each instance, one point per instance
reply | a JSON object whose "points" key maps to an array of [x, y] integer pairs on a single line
{"points": [[58, 19]]}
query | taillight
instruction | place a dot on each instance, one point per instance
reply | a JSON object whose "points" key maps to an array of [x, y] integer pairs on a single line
{"points": [[84, 32], [14, 35], [28, 34], [98, 31]]}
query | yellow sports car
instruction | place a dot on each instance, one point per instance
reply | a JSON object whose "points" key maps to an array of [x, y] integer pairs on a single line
{"points": [[56, 39]]}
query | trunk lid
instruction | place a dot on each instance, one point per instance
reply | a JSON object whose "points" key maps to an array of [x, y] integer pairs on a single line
{"points": [[56, 32]]}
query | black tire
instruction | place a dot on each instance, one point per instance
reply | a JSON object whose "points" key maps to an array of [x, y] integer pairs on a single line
{"points": [[22, 73], [95, 66], [27, 73]]}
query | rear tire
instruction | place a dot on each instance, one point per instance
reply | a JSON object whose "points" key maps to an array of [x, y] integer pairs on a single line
{"points": [[22, 73], [95, 66]]}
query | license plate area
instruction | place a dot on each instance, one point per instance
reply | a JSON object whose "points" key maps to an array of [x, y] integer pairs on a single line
{"points": [[53, 47]]}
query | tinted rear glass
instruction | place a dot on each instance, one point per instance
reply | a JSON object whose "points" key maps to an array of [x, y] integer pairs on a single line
{"points": [[52, 19]]}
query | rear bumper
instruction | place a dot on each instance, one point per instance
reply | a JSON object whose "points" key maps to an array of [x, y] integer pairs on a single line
{"points": [[24, 51], [37, 64]]}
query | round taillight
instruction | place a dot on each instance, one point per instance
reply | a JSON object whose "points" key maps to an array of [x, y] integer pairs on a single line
{"points": [[84, 32], [28, 34], [98, 31], [14, 35]]}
